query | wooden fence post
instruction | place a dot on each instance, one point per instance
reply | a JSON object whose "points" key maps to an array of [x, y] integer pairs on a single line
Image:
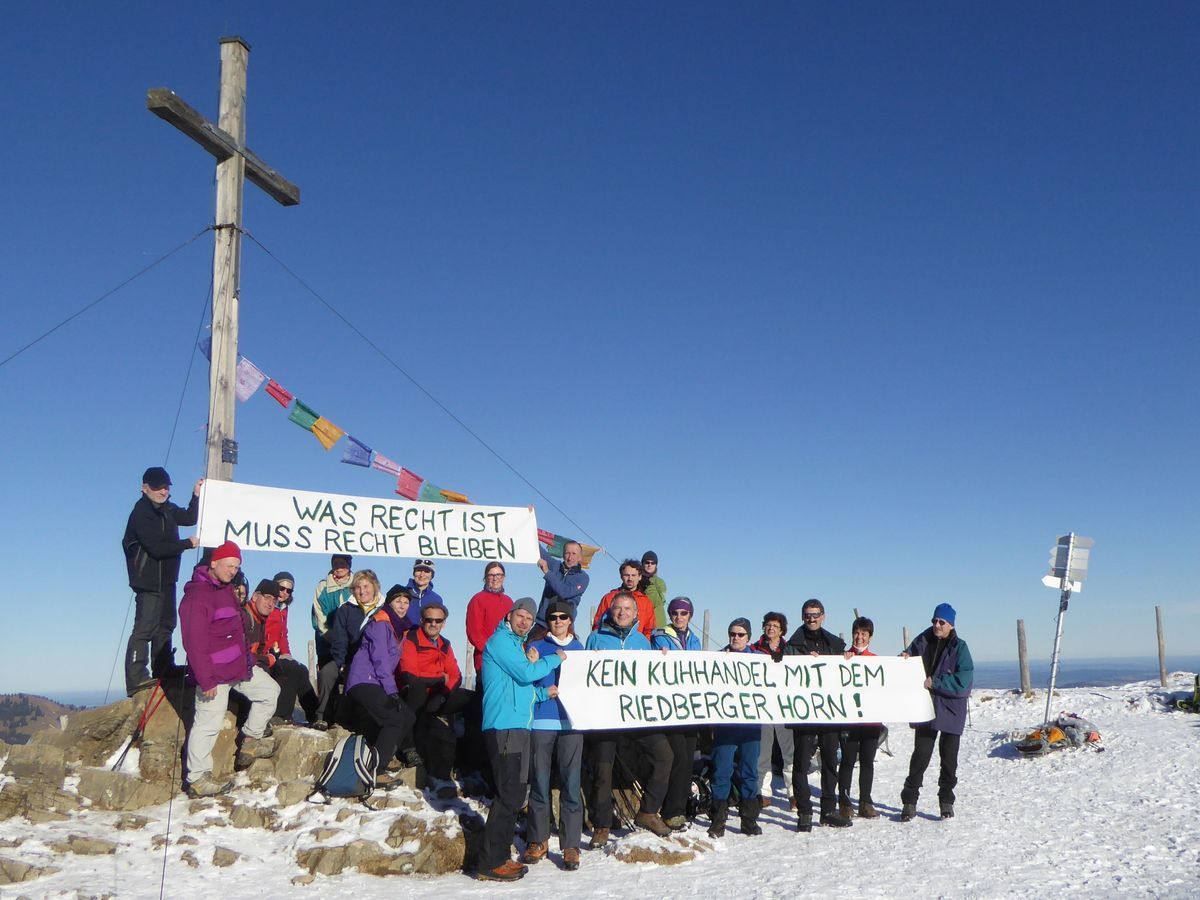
{"points": [[1162, 647], [707, 625], [906, 641], [1023, 658]]}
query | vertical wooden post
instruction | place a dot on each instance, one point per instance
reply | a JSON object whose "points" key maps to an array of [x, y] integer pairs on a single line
{"points": [[707, 629], [1023, 659], [906, 641], [591, 618], [1162, 647], [227, 258]]}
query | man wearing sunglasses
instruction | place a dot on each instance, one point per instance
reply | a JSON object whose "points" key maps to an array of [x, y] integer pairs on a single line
{"points": [[810, 639], [949, 672], [431, 683]]}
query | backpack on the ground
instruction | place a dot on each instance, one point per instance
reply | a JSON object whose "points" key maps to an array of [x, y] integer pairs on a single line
{"points": [[349, 771], [1192, 703]]}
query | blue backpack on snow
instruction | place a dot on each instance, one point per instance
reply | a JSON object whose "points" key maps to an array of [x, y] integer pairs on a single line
{"points": [[349, 772]]}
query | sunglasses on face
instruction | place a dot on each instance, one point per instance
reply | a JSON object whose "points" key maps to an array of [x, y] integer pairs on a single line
{"points": [[558, 617], [733, 634], [433, 621], [940, 622], [812, 617]]}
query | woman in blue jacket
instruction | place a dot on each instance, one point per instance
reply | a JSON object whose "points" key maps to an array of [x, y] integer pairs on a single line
{"points": [[736, 744], [555, 743], [949, 672]]}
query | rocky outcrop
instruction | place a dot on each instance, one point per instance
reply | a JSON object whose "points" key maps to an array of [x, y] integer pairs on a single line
{"points": [[85, 846], [45, 764], [36, 802], [14, 871], [121, 791]]}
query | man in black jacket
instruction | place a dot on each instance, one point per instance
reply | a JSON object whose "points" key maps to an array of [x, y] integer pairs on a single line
{"points": [[811, 639], [152, 550]]}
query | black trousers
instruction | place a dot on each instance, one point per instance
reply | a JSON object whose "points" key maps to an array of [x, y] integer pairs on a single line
{"points": [[395, 720], [433, 734], [294, 685], [508, 750], [679, 783], [810, 738], [603, 750], [149, 648], [862, 742], [923, 740]]}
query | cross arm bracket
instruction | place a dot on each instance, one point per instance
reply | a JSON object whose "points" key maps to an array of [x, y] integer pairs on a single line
{"points": [[169, 107]]}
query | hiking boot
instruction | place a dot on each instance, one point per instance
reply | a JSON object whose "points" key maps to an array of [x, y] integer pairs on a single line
{"points": [[908, 812], [534, 853], [319, 725], [280, 722], [387, 781], [652, 822], [207, 786], [749, 813], [846, 811], [599, 838], [252, 749], [411, 758], [506, 871], [677, 823], [947, 810], [866, 810], [805, 824], [571, 859], [764, 801], [833, 820], [143, 685], [720, 811]]}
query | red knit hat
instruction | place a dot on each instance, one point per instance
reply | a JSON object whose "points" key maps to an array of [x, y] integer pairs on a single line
{"points": [[228, 550]]}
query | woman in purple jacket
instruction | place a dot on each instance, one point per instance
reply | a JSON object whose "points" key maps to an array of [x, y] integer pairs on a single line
{"points": [[371, 681]]}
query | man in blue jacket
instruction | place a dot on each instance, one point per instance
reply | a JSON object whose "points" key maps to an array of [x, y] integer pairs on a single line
{"points": [[510, 691], [565, 581], [949, 672]]}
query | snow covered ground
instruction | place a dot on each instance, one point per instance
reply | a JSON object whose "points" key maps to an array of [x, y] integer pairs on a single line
{"points": [[1123, 820]]}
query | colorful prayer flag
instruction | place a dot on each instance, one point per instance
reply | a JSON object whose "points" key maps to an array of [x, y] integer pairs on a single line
{"points": [[454, 496], [326, 432], [556, 543], [303, 416], [383, 464], [588, 552], [431, 493], [249, 379], [281, 394], [409, 484], [356, 453]]}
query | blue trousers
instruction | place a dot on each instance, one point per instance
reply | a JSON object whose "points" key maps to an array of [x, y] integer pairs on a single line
{"points": [[563, 751], [735, 751]]}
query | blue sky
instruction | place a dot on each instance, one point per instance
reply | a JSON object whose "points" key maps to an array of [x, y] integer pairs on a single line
{"points": [[866, 303]]}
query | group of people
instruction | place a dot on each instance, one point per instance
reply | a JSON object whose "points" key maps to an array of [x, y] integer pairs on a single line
{"points": [[384, 668]]}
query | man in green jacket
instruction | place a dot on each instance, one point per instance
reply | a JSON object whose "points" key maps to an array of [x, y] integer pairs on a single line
{"points": [[654, 588]]}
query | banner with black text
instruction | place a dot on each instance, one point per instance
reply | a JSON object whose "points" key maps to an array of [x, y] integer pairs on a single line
{"points": [[266, 518], [650, 689]]}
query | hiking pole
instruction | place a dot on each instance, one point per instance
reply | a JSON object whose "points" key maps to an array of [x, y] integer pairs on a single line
{"points": [[157, 695], [637, 786]]}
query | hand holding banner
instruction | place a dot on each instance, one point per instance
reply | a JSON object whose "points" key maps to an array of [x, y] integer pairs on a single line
{"points": [[649, 689]]}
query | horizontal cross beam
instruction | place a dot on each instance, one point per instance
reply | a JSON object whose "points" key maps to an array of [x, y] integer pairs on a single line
{"points": [[168, 106]]}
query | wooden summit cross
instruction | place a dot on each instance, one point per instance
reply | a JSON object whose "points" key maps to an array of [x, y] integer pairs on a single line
{"points": [[227, 142]]}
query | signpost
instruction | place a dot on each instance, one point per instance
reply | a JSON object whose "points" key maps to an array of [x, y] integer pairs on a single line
{"points": [[1068, 569]]}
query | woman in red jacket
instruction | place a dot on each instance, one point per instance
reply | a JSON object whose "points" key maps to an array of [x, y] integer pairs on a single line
{"points": [[862, 741]]}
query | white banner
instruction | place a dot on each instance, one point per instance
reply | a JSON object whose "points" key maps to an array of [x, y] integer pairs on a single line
{"points": [[649, 689], [266, 518]]}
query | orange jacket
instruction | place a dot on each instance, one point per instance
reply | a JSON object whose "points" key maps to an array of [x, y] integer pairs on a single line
{"points": [[645, 611]]}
